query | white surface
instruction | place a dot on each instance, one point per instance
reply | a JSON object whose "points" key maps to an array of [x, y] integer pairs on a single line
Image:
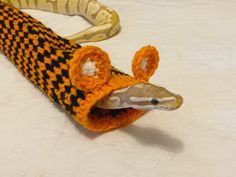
{"points": [[196, 41]]}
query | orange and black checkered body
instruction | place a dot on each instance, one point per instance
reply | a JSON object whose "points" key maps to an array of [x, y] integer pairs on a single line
{"points": [[44, 58], [38, 53]]}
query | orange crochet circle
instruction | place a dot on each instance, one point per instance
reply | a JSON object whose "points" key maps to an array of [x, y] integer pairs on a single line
{"points": [[90, 68], [145, 63]]}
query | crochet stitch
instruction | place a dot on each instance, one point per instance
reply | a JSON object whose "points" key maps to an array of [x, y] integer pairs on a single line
{"points": [[54, 64]]}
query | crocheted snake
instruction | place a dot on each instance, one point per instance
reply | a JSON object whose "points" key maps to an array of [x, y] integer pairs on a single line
{"points": [[105, 20], [76, 77]]}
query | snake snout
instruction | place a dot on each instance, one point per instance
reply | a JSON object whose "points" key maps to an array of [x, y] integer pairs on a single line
{"points": [[171, 103]]}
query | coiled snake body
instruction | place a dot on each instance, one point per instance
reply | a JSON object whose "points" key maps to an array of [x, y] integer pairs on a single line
{"points": [[105, 20]]}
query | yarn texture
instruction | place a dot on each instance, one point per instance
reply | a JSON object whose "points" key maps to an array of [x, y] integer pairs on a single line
{"points": [[64, 70]]}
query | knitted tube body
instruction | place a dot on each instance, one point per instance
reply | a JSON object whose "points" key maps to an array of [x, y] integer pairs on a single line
{"points": [[46, 59]]}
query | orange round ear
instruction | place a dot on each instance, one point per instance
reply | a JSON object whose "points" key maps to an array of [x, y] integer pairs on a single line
{"points": [[90, 68], [145, 63]]}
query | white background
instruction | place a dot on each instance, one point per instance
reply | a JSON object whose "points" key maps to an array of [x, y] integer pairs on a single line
{"points": [[196, 40]]}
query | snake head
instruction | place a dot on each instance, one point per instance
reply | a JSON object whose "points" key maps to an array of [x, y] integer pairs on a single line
{"points": [[148, 96], [142, 96]]}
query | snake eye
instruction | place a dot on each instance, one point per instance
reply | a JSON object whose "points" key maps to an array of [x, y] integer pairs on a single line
{"points": [[155, 101]]}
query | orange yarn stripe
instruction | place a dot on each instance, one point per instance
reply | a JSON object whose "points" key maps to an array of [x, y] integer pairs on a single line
{"points": [[50, 62]]}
